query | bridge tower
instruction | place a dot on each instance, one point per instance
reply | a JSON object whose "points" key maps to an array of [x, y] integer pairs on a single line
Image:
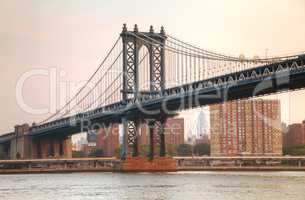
{"points": [[133, 41]]}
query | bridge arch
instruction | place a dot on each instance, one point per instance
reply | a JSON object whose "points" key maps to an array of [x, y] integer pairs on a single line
{"points": [[134, 44], [144, 70]]}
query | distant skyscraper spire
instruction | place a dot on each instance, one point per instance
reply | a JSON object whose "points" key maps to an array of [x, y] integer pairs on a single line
{"points": [[202, 124]]}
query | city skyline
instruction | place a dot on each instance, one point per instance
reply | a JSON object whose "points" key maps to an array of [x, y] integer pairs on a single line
{"points": [[195, 122]]}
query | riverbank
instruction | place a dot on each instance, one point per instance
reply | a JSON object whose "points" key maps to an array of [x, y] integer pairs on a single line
{"points": [[57, 171], [159, 164]]}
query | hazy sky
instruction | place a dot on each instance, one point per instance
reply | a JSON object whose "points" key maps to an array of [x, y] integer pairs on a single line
{"points": [[74, 35]]}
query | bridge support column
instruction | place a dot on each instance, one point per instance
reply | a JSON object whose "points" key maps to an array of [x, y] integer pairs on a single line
{"points": [[156, 138], [20, 145], [162, 138], [151, 126], [124, 142], [2, 153], [47, 147], [133, 138], [67, 147], [5, 151], [130, 138]]}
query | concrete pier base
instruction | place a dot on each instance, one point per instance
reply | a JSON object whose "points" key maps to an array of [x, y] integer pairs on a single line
{"points": [[143, 164], [58, 147]]}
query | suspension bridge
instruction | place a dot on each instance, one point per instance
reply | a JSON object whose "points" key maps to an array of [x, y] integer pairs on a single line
{"points": [[147, 77]]}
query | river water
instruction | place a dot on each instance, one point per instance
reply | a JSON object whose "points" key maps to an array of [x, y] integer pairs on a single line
{"points": [[163, 186]]}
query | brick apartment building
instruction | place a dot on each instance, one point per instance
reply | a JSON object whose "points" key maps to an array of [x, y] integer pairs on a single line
{"points": [[295, 135], [248, 127]]}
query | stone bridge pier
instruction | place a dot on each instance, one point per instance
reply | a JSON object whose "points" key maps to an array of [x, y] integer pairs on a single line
{"points": [[51, 147], [5, 150], [21, 145]]}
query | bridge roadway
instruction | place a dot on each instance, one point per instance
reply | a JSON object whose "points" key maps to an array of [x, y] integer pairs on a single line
{"points": [[6, 137], [112, 164], [268, 79]]}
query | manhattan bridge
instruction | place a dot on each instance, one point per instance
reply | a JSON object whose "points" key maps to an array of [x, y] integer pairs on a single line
{"points": [[147, 77]]}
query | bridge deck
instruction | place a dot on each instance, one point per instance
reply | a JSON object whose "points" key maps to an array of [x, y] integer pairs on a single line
{"points": [[210, 91]]}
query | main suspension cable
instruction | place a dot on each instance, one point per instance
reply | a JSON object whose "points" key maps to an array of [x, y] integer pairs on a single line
{"points": [[86, 84]]}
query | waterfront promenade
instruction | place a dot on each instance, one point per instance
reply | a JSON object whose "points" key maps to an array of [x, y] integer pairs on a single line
{"points": [[141, 164]]}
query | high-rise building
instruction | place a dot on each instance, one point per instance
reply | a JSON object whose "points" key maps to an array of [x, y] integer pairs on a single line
{"points": [[295, 135], [108, 140], [248, 127], [202, 125], [202, 135], [174, 131], [190, 137]]}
